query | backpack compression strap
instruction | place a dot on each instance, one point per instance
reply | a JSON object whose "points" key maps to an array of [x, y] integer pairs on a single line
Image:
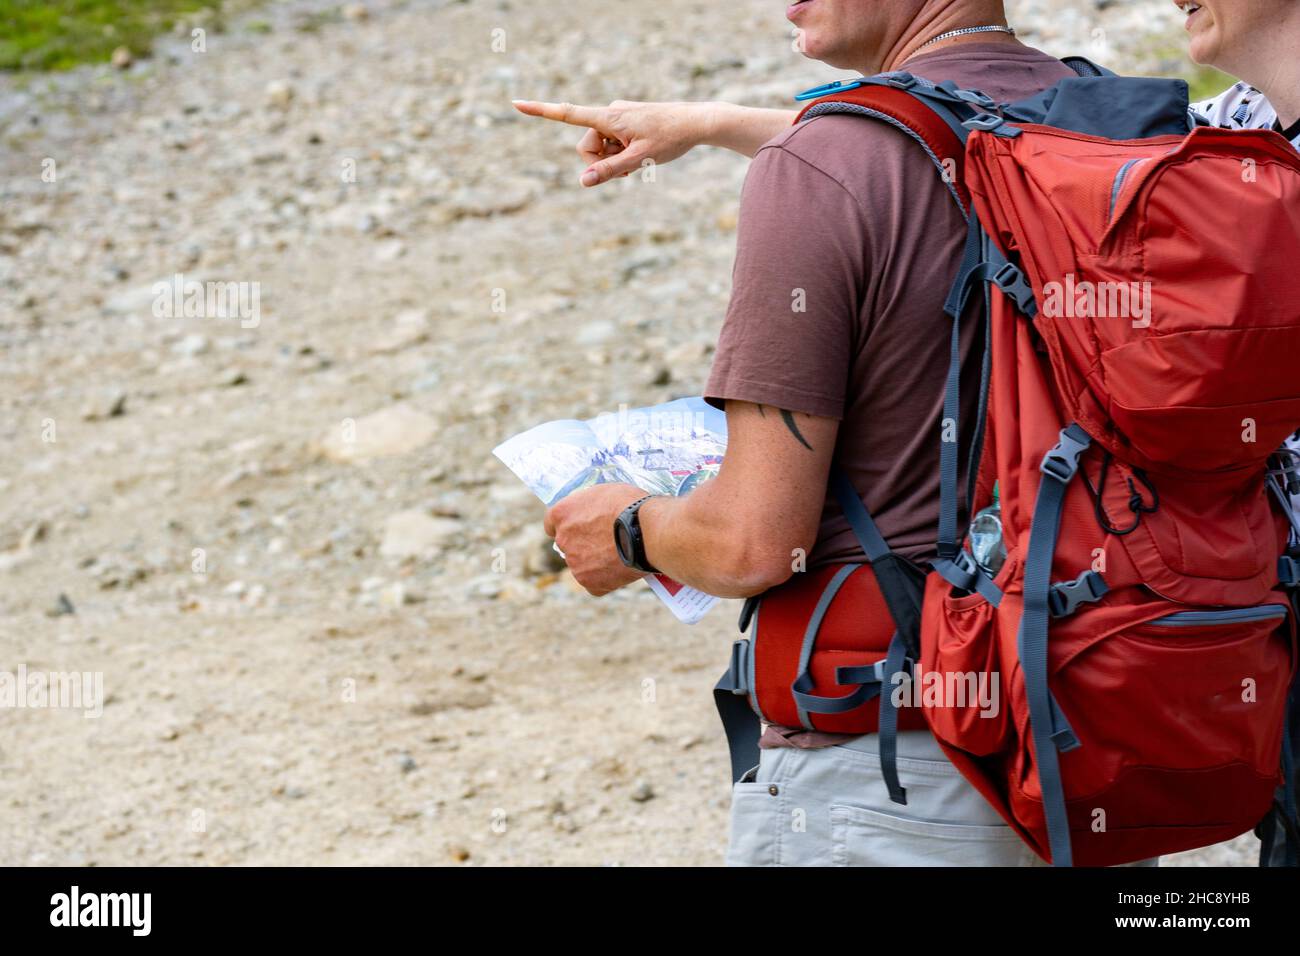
{"points": [[903, 593]]}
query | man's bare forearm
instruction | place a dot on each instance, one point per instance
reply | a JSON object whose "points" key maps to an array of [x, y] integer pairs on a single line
{"points": [[745, 531], [690, 540], [744, 129], [715, 540]]}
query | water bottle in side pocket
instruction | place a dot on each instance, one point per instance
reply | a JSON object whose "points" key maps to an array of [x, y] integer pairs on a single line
{"points": [[986, 544]]}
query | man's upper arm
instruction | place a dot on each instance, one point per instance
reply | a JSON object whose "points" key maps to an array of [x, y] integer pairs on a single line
{"points": [[773, 479]]}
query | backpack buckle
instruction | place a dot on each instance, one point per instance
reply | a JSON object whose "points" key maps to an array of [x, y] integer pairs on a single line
{"points": [[992, 123], [902, 81], [907, 668], [1288, 571], [969, 570], [1062, 461], [1290, 466], [1015, 286], [975, 98], [1064, 598]]}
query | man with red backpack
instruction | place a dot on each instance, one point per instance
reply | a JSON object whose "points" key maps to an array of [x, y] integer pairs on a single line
{"points": [[844, 363]]}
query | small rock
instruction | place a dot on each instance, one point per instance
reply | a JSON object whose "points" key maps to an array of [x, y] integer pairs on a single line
{"points": [[564, 823], [406, 763], [355, 11], [636, 265], [122, 58], [414, 533], [643, 792], [501, 199], [542, 558], [136, 303], [111, 403], [14, 559], [382, 434], [279, 94], [691, 354], [397, 595], [487, 586], [595, 332], [192, 345], [390, 251], [34, 533], [235, 476], [410, 327], [62, 606]]}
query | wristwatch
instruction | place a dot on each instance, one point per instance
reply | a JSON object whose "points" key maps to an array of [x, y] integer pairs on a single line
{"points": [[628, 540]]}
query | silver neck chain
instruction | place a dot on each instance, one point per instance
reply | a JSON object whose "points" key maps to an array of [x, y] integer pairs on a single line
{"points": [[966, 31]]}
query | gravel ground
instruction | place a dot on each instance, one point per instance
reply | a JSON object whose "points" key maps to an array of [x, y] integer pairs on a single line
{"points": [[320, 652]]}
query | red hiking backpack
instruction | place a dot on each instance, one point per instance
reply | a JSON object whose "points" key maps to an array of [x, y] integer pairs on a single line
{"points": [[1134, 277]]}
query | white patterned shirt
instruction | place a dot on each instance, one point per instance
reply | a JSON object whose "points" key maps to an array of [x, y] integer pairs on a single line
{"points": [[1241, 106]]}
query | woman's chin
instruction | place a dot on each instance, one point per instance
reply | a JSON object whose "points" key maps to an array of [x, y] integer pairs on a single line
{"points": [[1203, 50]]}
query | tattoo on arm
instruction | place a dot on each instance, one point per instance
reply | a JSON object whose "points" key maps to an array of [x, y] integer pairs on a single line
{"points": [[788, 418]]}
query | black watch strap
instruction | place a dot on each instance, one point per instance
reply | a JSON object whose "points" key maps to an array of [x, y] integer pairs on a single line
{"points": [[628, 540]]}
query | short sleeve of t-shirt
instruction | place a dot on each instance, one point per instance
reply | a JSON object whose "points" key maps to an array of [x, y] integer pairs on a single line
{"points": [[801, 258]]}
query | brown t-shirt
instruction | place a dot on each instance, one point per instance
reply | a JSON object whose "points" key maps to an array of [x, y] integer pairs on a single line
{"points": [[848, 244]]}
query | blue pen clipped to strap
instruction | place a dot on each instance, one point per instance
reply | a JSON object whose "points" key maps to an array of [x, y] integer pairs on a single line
{"points": [[839, 86]]}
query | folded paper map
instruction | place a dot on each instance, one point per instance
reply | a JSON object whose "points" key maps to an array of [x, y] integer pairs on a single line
{"points": [[664, 449]]}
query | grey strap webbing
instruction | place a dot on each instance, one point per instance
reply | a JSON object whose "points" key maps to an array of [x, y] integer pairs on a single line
{"points": [[804, 699], [902, 593], [953, 563], [731, 698], [1048, 726]]}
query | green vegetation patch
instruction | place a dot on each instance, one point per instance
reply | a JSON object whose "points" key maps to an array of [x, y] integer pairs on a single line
{"points": [[61, 34], [1206, 81]]}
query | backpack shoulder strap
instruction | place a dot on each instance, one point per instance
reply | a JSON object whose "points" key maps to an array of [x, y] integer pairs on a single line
{"points": [[1085, 67], [932, 115]]}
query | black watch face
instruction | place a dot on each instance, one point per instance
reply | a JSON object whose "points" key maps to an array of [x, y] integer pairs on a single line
{"points": [[623, 541]]}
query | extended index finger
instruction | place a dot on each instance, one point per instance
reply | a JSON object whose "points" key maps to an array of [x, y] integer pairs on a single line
{"points": [[574, 115]]}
